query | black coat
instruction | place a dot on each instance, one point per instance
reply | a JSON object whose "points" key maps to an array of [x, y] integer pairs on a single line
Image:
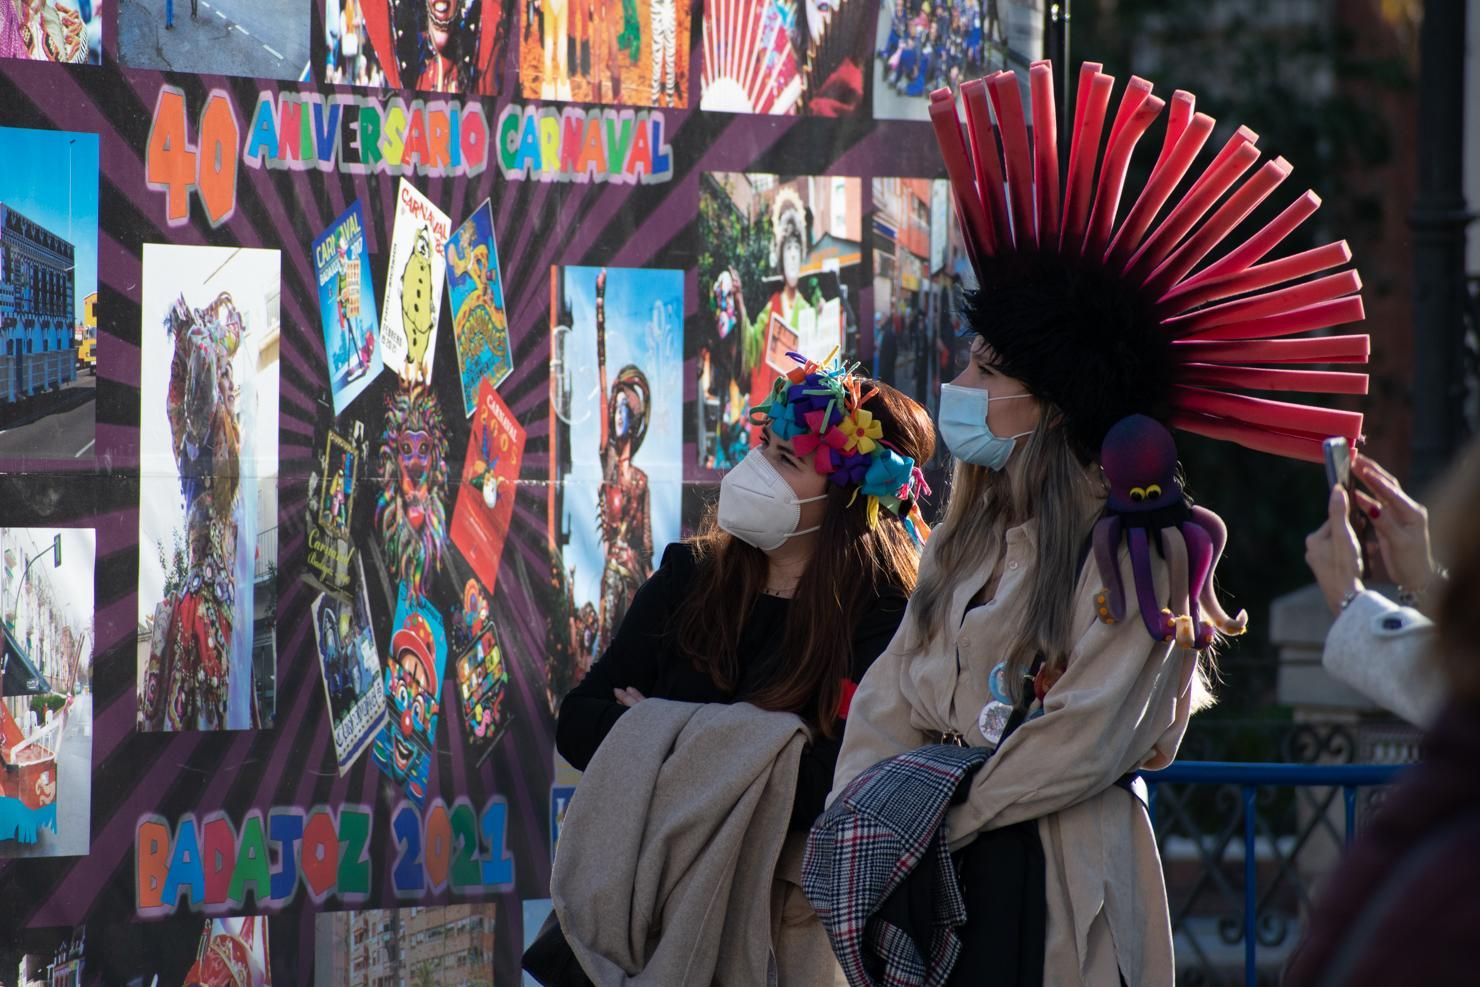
{"points": [[644, 656]]}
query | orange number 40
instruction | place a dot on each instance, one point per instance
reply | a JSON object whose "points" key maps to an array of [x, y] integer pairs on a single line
{"points": [[174, 167]]}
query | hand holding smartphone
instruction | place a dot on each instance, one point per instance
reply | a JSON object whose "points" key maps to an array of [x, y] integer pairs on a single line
{"points": [[1338, 463]]}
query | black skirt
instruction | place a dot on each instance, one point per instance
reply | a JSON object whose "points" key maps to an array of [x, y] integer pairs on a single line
{"points": [[1002, 881]]}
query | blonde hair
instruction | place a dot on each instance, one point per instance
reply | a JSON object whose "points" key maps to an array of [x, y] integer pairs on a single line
{"points": [[1049, 485]]}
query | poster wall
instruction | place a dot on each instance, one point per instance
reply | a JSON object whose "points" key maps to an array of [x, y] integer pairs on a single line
{"points": [[362, 359]]}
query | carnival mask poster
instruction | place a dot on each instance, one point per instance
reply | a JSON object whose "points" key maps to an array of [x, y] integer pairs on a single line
{"points": [[416, 268], [480, 326], [350, 662], [617, 386], [485, 498], [347, 307], [208, 462], [407, 742]]}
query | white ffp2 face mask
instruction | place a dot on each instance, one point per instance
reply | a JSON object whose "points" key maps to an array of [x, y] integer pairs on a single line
{"points": [[758, 506]]}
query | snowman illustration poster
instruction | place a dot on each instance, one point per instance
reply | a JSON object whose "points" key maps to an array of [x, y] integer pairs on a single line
{"points": [[416, 270]]}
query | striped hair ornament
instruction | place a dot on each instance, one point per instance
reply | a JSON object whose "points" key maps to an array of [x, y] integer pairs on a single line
{"points": [[819, 409], [1108, 312]]}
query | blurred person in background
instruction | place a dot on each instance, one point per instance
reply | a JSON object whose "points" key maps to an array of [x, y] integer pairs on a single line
{"points": [[1402, 906]]}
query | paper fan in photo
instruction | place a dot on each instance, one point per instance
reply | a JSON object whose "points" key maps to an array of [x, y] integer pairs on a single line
{"points": [[750, 65], [1180, 316]]}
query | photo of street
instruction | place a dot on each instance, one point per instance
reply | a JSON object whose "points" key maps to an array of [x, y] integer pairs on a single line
{"points": [[48, 294], [264, 39], [46, 596]]}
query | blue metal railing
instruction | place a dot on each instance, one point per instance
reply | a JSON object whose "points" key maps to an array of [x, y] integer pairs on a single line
{"points": [[1250, 778]]}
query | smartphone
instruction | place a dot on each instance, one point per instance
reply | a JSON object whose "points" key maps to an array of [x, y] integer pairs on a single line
{"points": [[1338, 462]]}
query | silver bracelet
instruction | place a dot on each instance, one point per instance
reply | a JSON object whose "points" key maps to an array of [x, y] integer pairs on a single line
{"points": [[1346, 600]]}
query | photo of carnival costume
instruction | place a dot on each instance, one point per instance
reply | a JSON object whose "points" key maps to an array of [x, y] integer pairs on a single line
{"points": [[622, 499], [783, 57], [708, 729], [233, 952], [44, 31], [188, 677], [616, 452], [445, 46], [1097, 333]]}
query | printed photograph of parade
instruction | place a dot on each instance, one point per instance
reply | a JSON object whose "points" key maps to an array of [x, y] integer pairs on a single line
{"points": [[920, 268], [48, 293], [634, 52], [923, 45]]}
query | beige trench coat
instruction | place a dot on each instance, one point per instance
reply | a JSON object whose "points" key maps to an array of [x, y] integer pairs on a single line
{"points": [[1122, 704]]}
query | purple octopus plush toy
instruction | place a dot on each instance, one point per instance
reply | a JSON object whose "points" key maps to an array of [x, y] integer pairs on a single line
{"points": [[1147, 506]]}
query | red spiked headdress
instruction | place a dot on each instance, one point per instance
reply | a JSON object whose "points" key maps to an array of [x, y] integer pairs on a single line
{"points": [[1105, 312]]}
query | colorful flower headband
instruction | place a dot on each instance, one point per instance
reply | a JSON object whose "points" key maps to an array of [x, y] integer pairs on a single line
{"points": [[819, 408]]}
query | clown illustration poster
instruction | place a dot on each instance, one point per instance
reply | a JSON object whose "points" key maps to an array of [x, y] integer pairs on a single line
{"points": [[416, 268], [407, 742], [347, 307], [617, 390], [208, 463], [480, 327]]}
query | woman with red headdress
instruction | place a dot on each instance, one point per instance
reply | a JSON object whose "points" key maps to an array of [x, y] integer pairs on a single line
{"points": [[1064, 622]]}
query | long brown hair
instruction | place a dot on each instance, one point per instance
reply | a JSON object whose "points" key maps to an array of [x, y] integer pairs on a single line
{"points": [[853, 566]]}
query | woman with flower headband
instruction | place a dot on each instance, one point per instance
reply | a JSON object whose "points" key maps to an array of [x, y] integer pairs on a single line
{"points": [[1062, 629], [795, 583]]}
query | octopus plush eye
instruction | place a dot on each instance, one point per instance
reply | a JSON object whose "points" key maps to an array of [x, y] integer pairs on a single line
{"points": [[1138, 494], [1153, 491]]}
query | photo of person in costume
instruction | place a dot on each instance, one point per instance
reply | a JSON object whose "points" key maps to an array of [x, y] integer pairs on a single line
{"points": [[443, 46], [796, 582], [1064, 624], [633, 52], [617, 449], [50, 31], [188, 951], [208, 465], [781, 269], [786, 57], [349, 58]]}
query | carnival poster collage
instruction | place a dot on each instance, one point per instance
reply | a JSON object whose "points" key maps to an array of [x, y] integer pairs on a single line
{"points": [[360, 358]]}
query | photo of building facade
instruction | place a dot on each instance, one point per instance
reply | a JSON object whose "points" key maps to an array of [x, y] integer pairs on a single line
{"points": [[450, 946]]}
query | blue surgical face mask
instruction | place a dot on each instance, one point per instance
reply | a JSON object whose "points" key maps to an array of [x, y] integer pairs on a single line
{"points": [[963, 424]]}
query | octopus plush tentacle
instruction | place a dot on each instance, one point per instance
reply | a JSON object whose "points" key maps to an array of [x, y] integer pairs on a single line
{"points": [[1157, 619], [1207, 598], [1200, 553], [1174, 548], [1110, 603], [1139, 459]]}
